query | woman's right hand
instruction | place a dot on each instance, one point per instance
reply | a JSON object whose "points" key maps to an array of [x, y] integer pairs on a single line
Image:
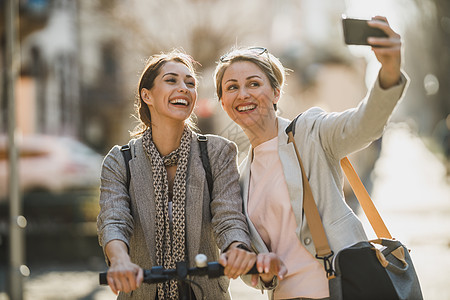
{"points": [[269, 265], [123, 275], [236, 261], [387, 51]]}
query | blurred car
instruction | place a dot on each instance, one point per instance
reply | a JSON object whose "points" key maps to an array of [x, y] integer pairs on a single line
{"points": [[51, 164], [59, 178]]}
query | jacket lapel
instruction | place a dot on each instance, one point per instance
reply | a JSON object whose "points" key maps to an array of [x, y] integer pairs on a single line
{"points": [[195, 184], [292, 171], [141, 172], [244, 179]]}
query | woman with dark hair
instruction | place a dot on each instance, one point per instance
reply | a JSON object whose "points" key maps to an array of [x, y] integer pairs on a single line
{"points": [[166, 213]]}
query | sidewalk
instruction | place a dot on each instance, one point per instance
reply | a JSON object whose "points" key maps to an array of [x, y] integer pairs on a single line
{"points": [[413, 197]]}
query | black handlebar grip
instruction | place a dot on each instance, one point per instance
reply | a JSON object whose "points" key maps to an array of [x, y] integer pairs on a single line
{"points": [[253, 270], [214, 270], [102, 279]]}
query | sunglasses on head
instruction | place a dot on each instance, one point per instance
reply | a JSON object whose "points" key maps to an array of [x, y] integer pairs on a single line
{"points": [[257, 51]]}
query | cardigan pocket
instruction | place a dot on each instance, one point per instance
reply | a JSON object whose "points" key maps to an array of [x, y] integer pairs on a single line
{"points": [[343, 219], [345, 231]]}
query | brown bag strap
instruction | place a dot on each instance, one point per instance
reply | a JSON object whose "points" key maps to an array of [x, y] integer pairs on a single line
{"points": [[364, 200], [312, 213]]}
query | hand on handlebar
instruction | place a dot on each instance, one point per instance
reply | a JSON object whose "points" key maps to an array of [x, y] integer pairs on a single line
{"points": [[269, 265], [124, 276], [236, 261], [181, 273]]}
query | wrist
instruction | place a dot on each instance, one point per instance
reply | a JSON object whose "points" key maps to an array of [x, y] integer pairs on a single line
{"points": [[389, 79], [238, 245], [267, 282], [243, 247], [119, 259], [117, 252]]}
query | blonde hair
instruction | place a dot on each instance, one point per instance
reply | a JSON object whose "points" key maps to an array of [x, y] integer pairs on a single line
{"points": [[267, 62]]}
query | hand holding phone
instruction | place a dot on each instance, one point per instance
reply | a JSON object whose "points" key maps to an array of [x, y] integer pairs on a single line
{"points": [[357, 31], [387, 50]]}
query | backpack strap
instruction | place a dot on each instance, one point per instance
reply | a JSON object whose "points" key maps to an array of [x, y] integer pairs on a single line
{"points": [[126, 153], [203, 142]]}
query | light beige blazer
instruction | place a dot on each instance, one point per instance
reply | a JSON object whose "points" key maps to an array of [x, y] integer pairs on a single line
{"points": [[323, 139]]}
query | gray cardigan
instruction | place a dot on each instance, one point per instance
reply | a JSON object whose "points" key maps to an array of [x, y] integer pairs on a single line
{"points": [[210, 224], [323, 139]]}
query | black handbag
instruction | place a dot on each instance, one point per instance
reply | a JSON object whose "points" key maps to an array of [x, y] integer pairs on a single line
{"points": [[380, 269]]}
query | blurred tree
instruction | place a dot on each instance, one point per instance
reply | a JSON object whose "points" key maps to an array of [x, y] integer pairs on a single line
{"points": [[137, 29], [432, 61], [442, 42]]}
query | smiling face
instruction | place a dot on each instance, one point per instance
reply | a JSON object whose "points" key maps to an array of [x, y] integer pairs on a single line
{"points": [[173, 95], [247, 96]]}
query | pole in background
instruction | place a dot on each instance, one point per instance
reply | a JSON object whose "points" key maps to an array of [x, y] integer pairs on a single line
{"points": [[17, 222]]}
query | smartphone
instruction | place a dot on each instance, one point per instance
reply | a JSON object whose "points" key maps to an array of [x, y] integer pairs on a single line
{"points": [[357, 31]]}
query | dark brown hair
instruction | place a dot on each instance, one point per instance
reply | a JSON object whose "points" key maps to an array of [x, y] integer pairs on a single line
{"points": [[147, 79]]}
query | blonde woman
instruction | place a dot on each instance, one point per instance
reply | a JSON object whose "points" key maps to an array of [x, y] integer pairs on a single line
{"points": [[249, 85]]}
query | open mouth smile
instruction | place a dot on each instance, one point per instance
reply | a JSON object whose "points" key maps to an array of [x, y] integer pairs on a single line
{"points": [[179, 102], [246, 108]]}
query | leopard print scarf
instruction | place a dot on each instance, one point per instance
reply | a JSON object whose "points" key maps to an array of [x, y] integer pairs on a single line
{"points": [[170, 236]]}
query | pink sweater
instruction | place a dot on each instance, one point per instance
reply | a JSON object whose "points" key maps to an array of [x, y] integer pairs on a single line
{"points": [[270, 211]]}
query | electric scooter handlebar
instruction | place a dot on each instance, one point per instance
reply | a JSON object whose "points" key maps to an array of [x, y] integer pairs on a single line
{"points": [[158, 274]]}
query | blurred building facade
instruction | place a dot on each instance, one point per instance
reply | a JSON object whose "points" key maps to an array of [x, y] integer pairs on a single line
{"points": [[81, 60], [68, 81]]}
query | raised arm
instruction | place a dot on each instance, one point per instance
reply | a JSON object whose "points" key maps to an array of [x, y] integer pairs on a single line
{"points": [[343, 133]]}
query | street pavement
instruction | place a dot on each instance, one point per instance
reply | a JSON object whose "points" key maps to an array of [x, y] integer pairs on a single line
{"points": [[412, 194], [411, 191]]}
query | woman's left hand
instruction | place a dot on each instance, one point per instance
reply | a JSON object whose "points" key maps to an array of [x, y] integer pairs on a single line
{"points": [[388, 52], [269, 265], [237, 261]]}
